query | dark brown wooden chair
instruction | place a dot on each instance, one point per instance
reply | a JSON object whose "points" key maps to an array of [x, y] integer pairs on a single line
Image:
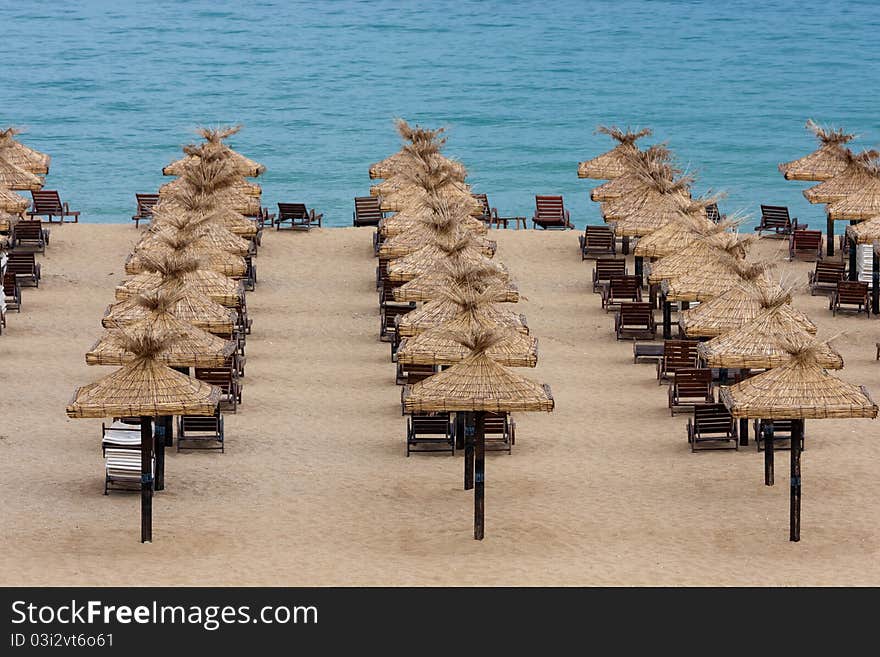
{"points": [[777, 219], [225, 378], [388, 324], [429, 432], [826, 276], [11, 291], [677, 355], [781, 434], [606, 268], [550, 212], [30, 234], [635, 321], [47, 203], [712, 427], [851, 293], [499, 430], [690, 386], [491, 217], [409, 374], [298, 216], [367, 211], [597, 241], [713, 214], [201, 432], [145, 204], [807, 243], [620, 289], [24, 265]]}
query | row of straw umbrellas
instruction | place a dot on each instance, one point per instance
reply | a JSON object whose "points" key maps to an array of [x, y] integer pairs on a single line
{"points": [[745, 319], [848, 184], [435, 253], [183, 305]]}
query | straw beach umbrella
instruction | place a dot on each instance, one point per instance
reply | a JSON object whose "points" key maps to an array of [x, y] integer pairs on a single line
{"points": [[435, 284], [710, 280], [825, 162], [24, 157], [12, 203], [855, 175], [431, 256], [864, 203], [436, 312], [656, 158], [798, 390], [190, 306], [425, 142], [16, 178], [678, 234], [206, 257], [406, 220], [146, 388], [611, 164], [214, 148], [477, 384], [161, 271]]}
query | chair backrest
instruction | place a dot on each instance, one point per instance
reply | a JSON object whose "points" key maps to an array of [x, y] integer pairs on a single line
{"points": [[430, 424], [608, 267], [495, 423], [209, 423], [636, 313], [222, 377], [807, 240], [775, 215], [624, 286], [828, 271], [292, 211], [10, 284], [680, 353], [712, 213], [549, 207], [598, 236], [852, 291], [712, 417], [46, 200], [692, 379], [145, 203], [29, 230], [21, 259], [484, 202], [366, 209]]}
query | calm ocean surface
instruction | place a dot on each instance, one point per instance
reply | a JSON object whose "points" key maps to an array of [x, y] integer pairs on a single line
{"points": [[112, 89]]}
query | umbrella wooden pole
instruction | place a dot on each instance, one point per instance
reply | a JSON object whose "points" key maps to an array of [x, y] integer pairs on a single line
{"points": [[768, 453], [159, 445], [468, 451], [624, 249], [640, 269], [744, 431], [830, 241], [479, 475], [146, 479], [667, 318], [853, 267], [875, 284], [459, 431], [797, 434]]}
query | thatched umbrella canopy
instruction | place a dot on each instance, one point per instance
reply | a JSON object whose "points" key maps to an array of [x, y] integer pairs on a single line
{"points": [[706, 251], [20, 155], [195, 203], [16, 178], [419, 156], [180, 244], [228, 197], [214, 148], [761, 343], [656, 158], [865, 232], [7, 221], [711, 279], [185, 346], [190, 306], [739, 305], [459, 249], [414, 195], [402, 222], [657, 204], [171, 223], [423, 142], [825, 162], [436, 312], [860, 169], [436, 284], [675, 236], [439, 345], [12, 202], [612, 164], [862, 204]]}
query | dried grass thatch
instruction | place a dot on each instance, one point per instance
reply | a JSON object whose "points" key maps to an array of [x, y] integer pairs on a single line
{"points": [[705, 252], [219, 288], [170, 224], [865, 232], [189, 305], [450, 277], [12, 202], [461, 249], [712, 279], [678, 234], [214, 148], [436, 312], [144, 386], [863, 204], [860, 169], [612, 163], [798, 389], [16, 178], [179, 246], [22, 156], [478, 383], [641, 167], [402, 222], [825, 162]]}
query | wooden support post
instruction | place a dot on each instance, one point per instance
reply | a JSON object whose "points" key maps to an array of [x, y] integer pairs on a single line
{"points": [[853, 266], [146, 479], [459, 430], [640, 269], [161, 426], [797, 435], [479, 476], [667, 318], [468, 451], [830, 241], [875, 284], [744, 431], [768, 453], [625, 246]]}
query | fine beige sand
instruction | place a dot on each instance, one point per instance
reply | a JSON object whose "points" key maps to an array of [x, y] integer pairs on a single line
{"points": [[314, 487]]}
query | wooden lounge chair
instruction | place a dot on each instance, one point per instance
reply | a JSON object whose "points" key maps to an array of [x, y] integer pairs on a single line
{"points": [[805, 243], [647, 351], [409, 374], [499, 430], [713, 425], [122, 470], [851, 293], [298, 216], [490, 215], [677, 355], [826, 276], [388, 325], [777, 219], [620, 289], [781, 434], [597, 241], [635, 321], [690, 386], [47, 203], [201, 432], [24, 265], [713, 214], [144, 212], [11, 291], [429, 433], [386, 292], [30, 234], [367, 211], [606, 268], [225, 378], [551, 213]]}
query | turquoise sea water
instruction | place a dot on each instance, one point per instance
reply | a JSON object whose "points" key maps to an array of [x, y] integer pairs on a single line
{"points": [[112, 89]]}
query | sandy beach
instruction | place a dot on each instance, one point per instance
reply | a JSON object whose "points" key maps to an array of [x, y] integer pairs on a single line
{"points": [[315, 489]]}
